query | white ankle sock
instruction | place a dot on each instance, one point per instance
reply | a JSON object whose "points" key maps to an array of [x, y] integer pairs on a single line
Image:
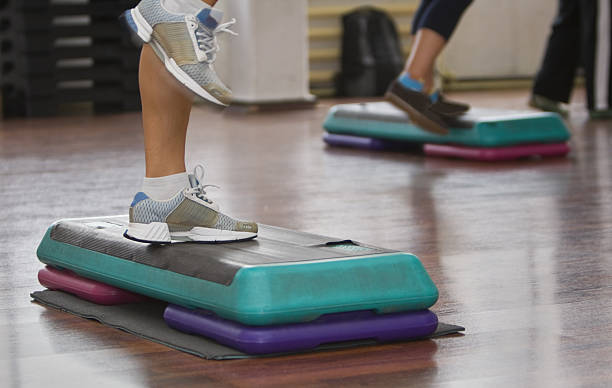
{"points": [[184, 6], [165, 187]]}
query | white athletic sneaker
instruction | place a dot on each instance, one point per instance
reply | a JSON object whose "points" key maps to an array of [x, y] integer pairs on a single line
{"points": [[186, 43], [188, 216]]}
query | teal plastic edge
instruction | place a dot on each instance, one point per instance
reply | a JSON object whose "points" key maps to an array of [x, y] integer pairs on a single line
{"points": [[271, 294], [530, 128]]}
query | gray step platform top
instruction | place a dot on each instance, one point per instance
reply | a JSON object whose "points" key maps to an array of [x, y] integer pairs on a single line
{"points": [[213, 262]]}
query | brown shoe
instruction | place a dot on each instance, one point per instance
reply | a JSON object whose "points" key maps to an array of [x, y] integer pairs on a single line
{"points": [[445, 107], [418, 107]]}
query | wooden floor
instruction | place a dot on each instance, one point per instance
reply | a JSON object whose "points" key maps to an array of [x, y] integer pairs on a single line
{"points": [[521, 251]]}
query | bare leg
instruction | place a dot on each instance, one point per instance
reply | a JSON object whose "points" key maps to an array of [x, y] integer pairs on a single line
{"points": [[166, 106], [165, 114], [414, 90], [428, 44]]}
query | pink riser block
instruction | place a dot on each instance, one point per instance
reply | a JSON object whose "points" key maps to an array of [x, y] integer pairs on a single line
{"points": [[497, 153], [84, 288]]}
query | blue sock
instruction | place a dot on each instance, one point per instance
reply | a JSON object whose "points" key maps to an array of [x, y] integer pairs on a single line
{"points": [[413, 84], [410, 83], [434, 96]]}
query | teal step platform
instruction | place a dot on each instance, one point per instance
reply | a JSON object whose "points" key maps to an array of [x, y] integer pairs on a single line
{"points": [[282, 276], [478, 127]]}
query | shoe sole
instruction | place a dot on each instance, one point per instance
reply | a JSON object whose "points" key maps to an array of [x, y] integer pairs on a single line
{"points": [[138, 24], [415, 116], [453, 114], [159, 233], [563, 114]]}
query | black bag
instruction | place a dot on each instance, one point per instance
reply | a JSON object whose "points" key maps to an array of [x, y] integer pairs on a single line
{"points": [[371, 53]]}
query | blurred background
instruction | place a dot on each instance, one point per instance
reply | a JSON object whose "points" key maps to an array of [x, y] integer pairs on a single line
{"points": [[66, 56]]}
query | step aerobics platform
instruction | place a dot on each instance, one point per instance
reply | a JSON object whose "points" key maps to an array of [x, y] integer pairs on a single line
{"points": [[282, 276], [291, 337], [452, 150], [477, 128]]}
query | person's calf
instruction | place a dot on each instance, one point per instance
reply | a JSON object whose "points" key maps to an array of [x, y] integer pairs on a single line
{"points": [[166, 107]]}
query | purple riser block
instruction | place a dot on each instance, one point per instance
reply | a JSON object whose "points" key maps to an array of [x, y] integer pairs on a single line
{"points": [[497, 153], [456, 151], [351, 326], [363, 142], [84, 288]]}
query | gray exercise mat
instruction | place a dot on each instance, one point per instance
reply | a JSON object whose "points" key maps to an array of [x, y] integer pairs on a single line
{"points": [[146, 320]]}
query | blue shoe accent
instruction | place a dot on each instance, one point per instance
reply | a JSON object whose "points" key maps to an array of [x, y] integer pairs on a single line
{"points": [[434, 96], [203, 15], [130, 20], [205, 18], [140, 196], [410, 83]]}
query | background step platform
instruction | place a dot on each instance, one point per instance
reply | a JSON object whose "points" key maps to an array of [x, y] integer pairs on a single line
{"points": [[85, 57], [348, 326], [451, 150], [91, 290], [76, 7], [478, 127], [68, 26], [66, 47], [76, 78], [38, 95], [282, 276], [100, 99], [44, 43]]}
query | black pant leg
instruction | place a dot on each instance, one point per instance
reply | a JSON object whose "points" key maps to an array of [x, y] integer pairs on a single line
{"points": [[443, 16], [555, 79], [597, 50], [418, 16], [588, 10]]}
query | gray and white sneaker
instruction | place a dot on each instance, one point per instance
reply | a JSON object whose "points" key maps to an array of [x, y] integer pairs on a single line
{"points": [[188, 216], [186, 44]]}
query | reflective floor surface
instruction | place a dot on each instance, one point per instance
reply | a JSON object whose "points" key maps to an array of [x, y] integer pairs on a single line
{"points": [[521, 251]]}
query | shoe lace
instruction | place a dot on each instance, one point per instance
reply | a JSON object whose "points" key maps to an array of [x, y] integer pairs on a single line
{"points": [[207, 39], [200, 190]]}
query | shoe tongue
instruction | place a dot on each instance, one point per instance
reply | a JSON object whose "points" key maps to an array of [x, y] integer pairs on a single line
{"points": [[210, 17], [193, 181]]}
